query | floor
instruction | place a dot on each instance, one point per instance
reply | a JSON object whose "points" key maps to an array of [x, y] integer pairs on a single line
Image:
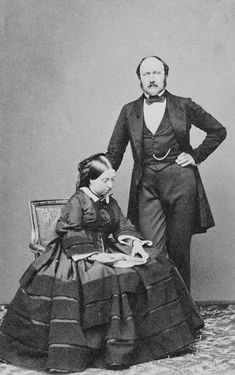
{"points": [[213, 352]]}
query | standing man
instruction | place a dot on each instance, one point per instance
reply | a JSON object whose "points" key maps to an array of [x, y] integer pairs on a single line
{"points": [[167, 200]]}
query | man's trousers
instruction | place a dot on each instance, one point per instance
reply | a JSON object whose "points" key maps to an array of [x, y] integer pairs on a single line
{"points": [[167, 212]]}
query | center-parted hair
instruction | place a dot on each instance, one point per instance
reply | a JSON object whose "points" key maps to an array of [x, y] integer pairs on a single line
{"points": [[91, 168], [98, 165], [166, 67]]}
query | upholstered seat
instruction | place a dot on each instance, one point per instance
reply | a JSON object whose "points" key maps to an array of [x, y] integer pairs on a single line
{"points": [[44, 215]]}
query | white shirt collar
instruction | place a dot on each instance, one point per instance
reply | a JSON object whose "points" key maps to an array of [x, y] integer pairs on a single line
{"points": [[94, 197], [161, 93]]}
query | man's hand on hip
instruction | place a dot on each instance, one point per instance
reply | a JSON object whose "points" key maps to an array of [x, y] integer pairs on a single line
{"points": [[185, 159]]}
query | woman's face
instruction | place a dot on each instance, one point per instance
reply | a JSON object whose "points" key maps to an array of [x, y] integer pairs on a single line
{"points": [[103, 184]]}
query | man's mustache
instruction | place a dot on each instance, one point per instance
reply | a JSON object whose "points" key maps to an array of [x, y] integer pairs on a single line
{"points": [[153, 85]]}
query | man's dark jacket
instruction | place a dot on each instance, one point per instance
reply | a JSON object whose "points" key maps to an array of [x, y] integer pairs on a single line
{"points": [[183, 113]]}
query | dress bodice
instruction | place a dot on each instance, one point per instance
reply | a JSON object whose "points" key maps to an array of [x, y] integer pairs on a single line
{"points": [[99, 216], [85, 225]]}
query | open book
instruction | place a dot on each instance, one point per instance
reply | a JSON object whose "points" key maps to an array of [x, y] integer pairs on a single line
{"points": [[131, 262]]}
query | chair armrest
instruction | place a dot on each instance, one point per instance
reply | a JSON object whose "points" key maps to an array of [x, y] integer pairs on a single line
{"points": [[36, 248]]}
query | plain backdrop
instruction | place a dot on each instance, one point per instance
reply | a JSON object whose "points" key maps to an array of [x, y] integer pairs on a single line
{"points": [[67, 68]]}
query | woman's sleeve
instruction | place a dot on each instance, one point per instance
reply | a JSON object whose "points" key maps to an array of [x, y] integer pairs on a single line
{"points": [[124, 229], [75, 240]]}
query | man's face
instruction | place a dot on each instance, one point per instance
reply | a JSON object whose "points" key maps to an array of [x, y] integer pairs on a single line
{"points": [[152, 76]]}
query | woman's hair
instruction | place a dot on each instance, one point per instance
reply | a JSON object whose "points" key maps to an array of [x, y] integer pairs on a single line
{"points": [[98, 165], [91, 168]]}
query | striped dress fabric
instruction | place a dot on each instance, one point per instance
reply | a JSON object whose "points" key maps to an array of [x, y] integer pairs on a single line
{"points": [[67, 316]]}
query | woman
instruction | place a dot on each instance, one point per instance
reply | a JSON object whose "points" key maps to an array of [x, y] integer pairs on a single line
{"points": [[92, 300]]}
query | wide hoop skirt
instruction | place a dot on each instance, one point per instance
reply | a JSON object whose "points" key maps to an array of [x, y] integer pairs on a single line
{"points": [[67, 316]]}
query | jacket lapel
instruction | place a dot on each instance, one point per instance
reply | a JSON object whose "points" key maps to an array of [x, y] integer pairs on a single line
{"points": [[136, 125], [177, 117]]}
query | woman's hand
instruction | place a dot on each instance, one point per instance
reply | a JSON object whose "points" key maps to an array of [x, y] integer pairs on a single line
{"points": [[137, 249], [108, 257]]}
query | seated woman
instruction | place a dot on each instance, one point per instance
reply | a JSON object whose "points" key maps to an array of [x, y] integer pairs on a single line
{"points": [[92, 300]]}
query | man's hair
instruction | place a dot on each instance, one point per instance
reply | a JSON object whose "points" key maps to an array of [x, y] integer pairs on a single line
{"points": [[166, 67]]}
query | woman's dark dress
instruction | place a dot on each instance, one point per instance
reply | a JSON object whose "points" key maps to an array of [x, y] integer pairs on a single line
{"points": [[69, 315]]}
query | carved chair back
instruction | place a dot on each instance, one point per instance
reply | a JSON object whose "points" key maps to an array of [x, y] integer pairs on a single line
{"points": [[44, 215]]}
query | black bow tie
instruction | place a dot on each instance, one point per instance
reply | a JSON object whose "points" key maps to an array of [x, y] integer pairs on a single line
{"points": [[155, 99]]}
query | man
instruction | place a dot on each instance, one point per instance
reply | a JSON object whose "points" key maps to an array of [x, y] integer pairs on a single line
{"points": [[167, 200]]}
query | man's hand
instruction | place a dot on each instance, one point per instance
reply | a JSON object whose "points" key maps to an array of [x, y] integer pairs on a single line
{"points": [[185, 159]]}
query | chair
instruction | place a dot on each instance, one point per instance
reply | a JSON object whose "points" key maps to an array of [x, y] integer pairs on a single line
{"points": [[44, 215]]}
